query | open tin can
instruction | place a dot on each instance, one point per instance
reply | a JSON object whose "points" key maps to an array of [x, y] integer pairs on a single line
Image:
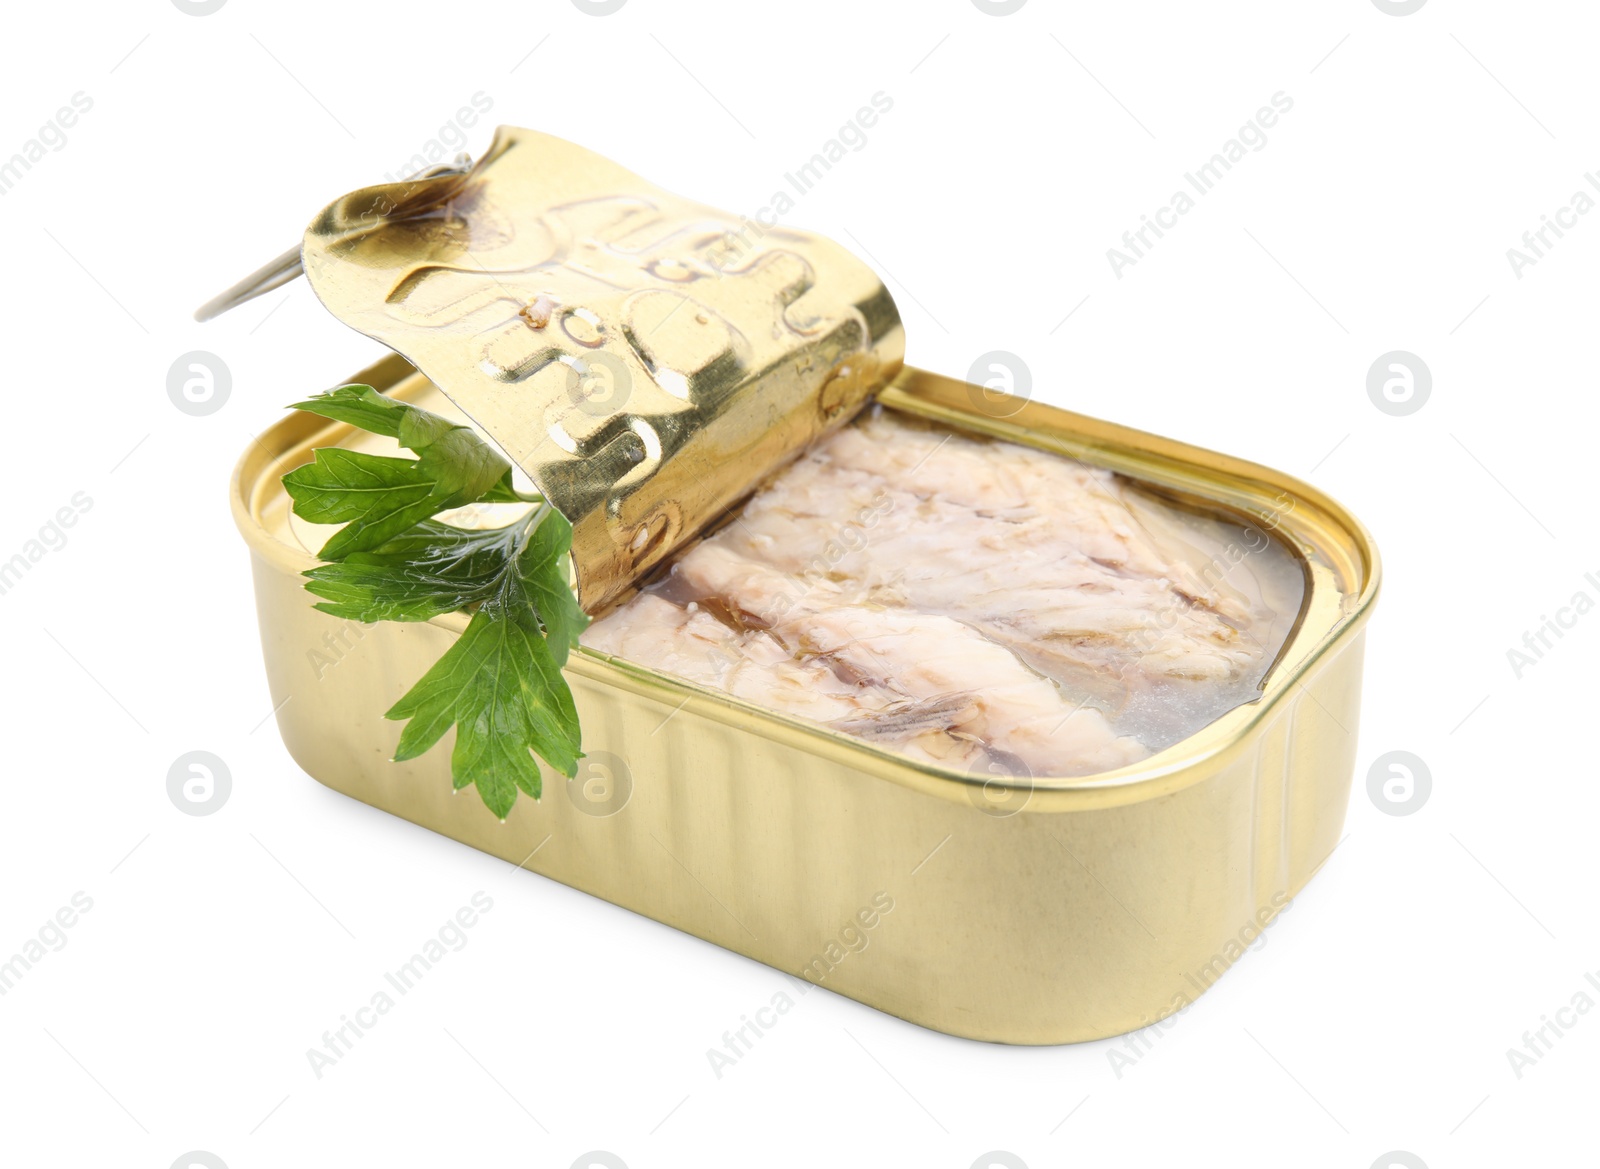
{"points": [[1037, 911]]}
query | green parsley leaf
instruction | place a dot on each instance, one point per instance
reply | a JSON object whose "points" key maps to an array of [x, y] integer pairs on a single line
{"points": [[361, 406], [427, 570], [435, 568], [500, 685], [377, 498], [417, 430], [502, 689]]}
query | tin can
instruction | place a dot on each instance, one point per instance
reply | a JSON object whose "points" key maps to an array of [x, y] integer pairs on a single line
{"points": [[1023, 911]]}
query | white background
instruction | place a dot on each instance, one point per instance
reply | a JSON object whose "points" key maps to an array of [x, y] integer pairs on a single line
{"points": [[1376, 218]]}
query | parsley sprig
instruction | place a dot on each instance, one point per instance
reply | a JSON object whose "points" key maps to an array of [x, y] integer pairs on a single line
{"points": [[500, 684]]}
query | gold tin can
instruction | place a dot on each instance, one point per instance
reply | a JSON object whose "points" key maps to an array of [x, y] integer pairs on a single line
{"points": [[1029, 911]]}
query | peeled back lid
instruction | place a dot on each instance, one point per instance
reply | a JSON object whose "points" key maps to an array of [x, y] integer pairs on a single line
{"points": [[644, 359]]}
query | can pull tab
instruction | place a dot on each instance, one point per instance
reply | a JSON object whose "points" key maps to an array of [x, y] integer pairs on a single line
{"points": [[289, 266], [644, 359]]}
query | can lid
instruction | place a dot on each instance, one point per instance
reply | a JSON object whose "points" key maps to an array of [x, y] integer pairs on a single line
{"points": [[644, 359]]}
